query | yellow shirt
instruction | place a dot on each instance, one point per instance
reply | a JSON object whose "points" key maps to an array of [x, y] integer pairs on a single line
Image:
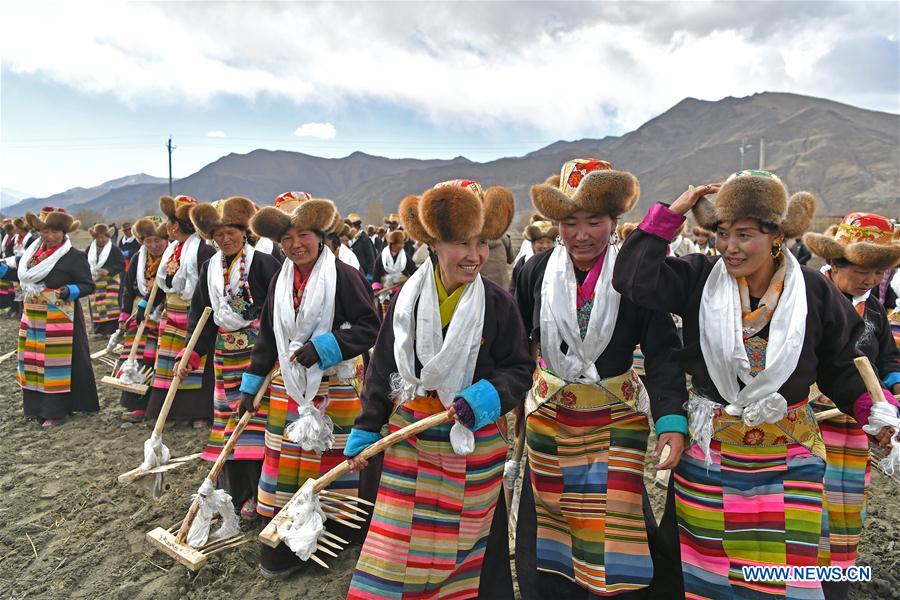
{"points": [[447, 302]]}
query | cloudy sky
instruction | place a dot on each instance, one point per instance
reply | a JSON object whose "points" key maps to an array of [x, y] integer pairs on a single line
{"points": [[90, 92]]}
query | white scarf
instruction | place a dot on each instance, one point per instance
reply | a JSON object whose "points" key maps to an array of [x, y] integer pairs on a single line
{"points": [[559, 318], [680, 243], [722, 344], [126, 240], [315, 316], [31, 280], [141, 269], [224, 315], [448, 364], [96, 262], [347, 256], [265, 245], [393, 266], [3, 241], [25, 241], [525, 250], [185, 279]]}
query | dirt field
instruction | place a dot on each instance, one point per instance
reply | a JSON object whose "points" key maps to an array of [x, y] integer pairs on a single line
{"points": [[70, 530]]}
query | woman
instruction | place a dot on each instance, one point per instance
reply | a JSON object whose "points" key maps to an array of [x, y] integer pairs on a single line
{"points": [[139, 279], [759, 329], [317, 319], [392, 267], [54, 369], [130, 245], [701, 241], [235, 284], [178, 277], [857, 251], [585, 524], [106, 261], [7, 250], [451, 340], [540, 235]]}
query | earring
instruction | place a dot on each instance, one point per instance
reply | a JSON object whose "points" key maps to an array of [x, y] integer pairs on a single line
{"points": [[777, 253], [614, 239]]}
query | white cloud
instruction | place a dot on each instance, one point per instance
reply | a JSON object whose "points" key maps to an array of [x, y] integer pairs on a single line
{"points": [[323, 131], [567, 69], [216, 134]]}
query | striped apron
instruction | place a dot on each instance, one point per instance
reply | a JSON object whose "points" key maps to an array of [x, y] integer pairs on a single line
{"points": [[433, 514], [172, 339], [45, 347], [586, 446], [231, 359], [7, 293], [104, 302], [286, 466], [146, 353]]}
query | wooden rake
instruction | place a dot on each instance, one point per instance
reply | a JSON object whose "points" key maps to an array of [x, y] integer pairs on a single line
{"points": [[133, 377], [886, 459], [340, 508], [140, 471], [8, 355], [173, 541]]}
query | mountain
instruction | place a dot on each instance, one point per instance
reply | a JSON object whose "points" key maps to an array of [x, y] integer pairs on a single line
{"points": [[9, 196], [78, 195], [848, 156], [262, 175]]}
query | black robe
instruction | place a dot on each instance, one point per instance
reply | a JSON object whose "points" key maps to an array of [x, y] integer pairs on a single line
{"points": [[129, 249], [71, 269], [877, 341], [379, 271], [188, 404], [364, 250], [127, 295], [115, 264], [516, 272], [644, 274]]}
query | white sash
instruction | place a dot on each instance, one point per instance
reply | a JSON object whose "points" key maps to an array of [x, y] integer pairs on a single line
{"points": [[96, 262], [223, 314], [526, 250], [393, 266], [265, 245], [184, 282], [448, 364], [346, 255], [559, 318], [31, 281]]}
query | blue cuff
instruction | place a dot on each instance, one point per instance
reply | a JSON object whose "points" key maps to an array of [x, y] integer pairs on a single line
{"points": [[359, 440], [892, 379], [670, 423], [484, 401], [73, 292], [251, 383], [3, 269], [329, 352], [142, 303]]}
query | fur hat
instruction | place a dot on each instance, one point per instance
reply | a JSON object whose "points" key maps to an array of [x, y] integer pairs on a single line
{"points": [[8, 226], [623, 230], [316, 215], [353, 218], [288, 201], [392, 218], [864, 239], [99, 229], [54, 218], [541, 229], [458, 210], [757, 195], [178, 208], [586, 184], [149, 226], [20, 223], [370, 230], [396, 237], [235, 211]]}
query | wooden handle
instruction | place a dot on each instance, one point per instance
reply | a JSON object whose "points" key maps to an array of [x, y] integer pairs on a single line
{"points": [[269, 534], [381, 445], [8, 355], [828, 414], [223, 456], [870, 379], [176, 380], [140, 329]]}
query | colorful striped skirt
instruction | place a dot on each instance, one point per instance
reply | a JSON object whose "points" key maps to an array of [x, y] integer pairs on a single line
{"points": [[847, 477], [286, 466], [7, 293], [231, 359], [45, 349], [172, 339], [586, 447], [433, 514], [146, 352], [104, 302], [894, 319], [758, 503]]}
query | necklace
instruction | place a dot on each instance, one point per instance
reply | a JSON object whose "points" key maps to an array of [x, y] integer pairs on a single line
{"points": [[239, 300]]}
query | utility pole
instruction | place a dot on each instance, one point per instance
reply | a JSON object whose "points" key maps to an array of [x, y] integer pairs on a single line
{"points": [[171, 147], [762, 154], [744, 147]]}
